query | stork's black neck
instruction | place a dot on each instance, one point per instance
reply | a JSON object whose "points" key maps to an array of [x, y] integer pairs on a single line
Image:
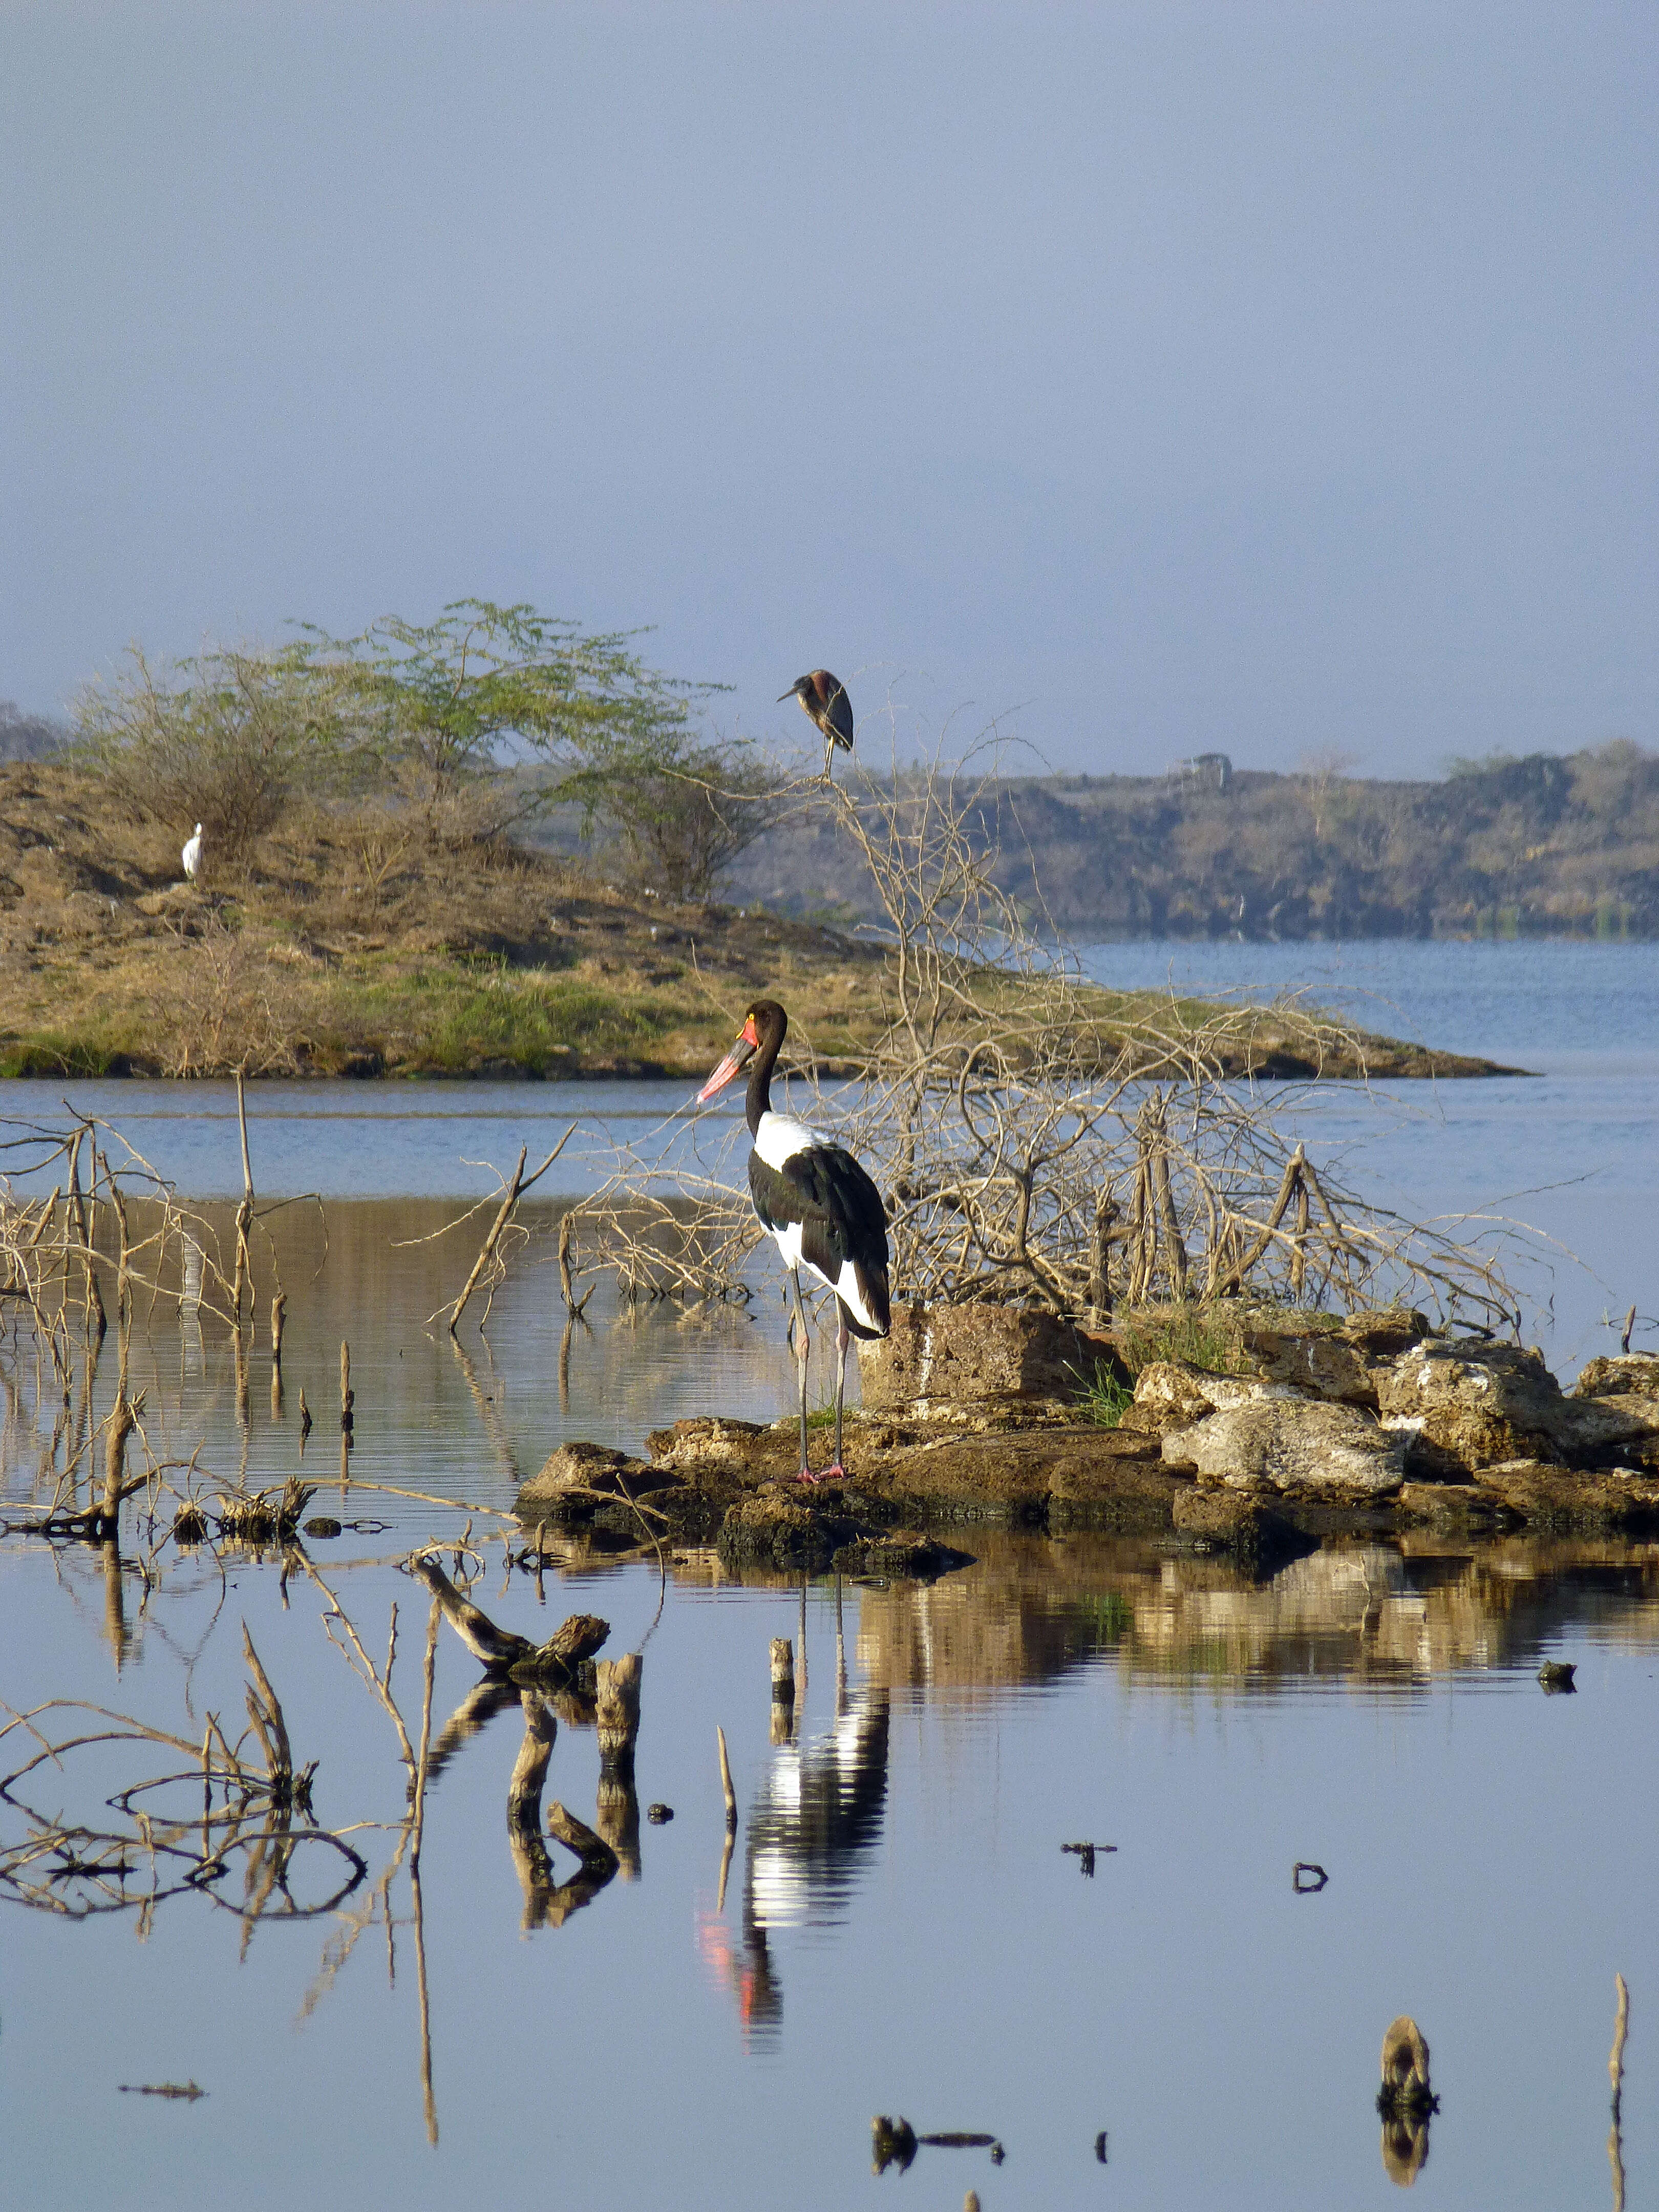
{"points": [[772, 1023]]}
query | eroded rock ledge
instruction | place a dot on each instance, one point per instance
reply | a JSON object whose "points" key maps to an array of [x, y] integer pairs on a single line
{"points": [[975, 1413]]}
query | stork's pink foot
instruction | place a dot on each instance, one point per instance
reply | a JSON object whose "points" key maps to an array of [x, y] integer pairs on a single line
{"points": [[807, 1475], [836, 1473]]}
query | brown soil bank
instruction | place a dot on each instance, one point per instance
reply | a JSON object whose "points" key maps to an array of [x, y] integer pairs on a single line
{"points": [[356, 945], [1369, 1425]]}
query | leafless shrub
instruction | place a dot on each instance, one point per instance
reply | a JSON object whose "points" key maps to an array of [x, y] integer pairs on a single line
{"points": [[229, 1010], [222, 739], [1041, 1140], [685, 818]]}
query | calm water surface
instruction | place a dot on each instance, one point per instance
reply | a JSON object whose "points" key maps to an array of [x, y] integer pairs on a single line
{"points": [[901, 1931]]}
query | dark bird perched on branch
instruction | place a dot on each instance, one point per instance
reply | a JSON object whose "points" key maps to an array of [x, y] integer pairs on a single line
{"points": [[822, 1208], [824, 697]]}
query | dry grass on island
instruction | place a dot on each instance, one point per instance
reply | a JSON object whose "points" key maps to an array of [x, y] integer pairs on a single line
{"points": [[358, 940]]}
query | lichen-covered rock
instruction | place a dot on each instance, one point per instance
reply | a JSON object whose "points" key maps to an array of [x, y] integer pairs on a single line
{"points": [[1464, 1406], [1114, 1480], [951, 1356], [1171, 1394], [787, 1525], [1303, 1447], [1315, 1363], [1464, 1507], [1620, 1372], [705, 1440], [585, 1473], [1623, 1425]]}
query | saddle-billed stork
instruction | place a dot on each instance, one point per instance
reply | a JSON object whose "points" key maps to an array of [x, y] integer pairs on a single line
{"points": [[822, 1208], [824, 697]]}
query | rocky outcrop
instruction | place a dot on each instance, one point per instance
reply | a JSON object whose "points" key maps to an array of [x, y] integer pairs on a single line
{"points": [[973, 1413], [1172, 1394], [1315, 1363], [939, 1359], [1298, 1447], [1384, 1332], [1637, 1372], [584, 1471], [1339, 1362], [1463, 1407]]}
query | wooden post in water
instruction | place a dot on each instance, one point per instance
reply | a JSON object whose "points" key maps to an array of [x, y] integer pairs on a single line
{"points": [[94, 1297], [278, 1310], [346, 1391], [617, 1717], [244, 1212], [783, 1690], [122, 1422]]}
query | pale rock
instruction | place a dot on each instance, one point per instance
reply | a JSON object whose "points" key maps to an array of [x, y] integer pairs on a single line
{"points": [[1465, 1406], [1173, 1389], [942, 1357], [1307, 1447], [1617, 1374], [1314, 1363]]}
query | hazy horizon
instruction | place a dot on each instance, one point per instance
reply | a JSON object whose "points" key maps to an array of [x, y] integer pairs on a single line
{"points": [[1154, 379]]}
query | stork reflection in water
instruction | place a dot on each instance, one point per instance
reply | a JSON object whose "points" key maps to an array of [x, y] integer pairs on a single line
{"points": [[819, 1809]]}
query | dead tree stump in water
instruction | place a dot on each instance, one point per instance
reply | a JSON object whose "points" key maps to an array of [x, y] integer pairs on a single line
{"points": [[783, 1690], [1405, 2101], [502, 1649], [524, 1791], [617, 1718]]}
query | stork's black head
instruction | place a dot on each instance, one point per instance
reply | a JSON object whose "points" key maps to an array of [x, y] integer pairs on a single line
{"points": [[803, 689]]}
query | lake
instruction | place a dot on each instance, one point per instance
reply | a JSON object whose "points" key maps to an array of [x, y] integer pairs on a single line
{"points": [[901, 1931]]}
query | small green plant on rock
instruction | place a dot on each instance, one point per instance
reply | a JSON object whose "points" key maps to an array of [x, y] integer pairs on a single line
{"points": [[1103, 1397]]}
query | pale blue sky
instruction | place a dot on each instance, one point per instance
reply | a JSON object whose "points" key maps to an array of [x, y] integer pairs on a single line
{"points": [[1268, 377]]}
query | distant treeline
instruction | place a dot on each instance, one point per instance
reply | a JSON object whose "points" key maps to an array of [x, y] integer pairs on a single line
{"points": [[1542, 845]]}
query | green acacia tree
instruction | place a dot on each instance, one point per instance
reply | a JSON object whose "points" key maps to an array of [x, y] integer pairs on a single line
{"points": [[488, 693]]}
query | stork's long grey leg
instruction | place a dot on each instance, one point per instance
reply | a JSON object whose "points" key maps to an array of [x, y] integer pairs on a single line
{"points": [[844, 1338], [801, 1355]]}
